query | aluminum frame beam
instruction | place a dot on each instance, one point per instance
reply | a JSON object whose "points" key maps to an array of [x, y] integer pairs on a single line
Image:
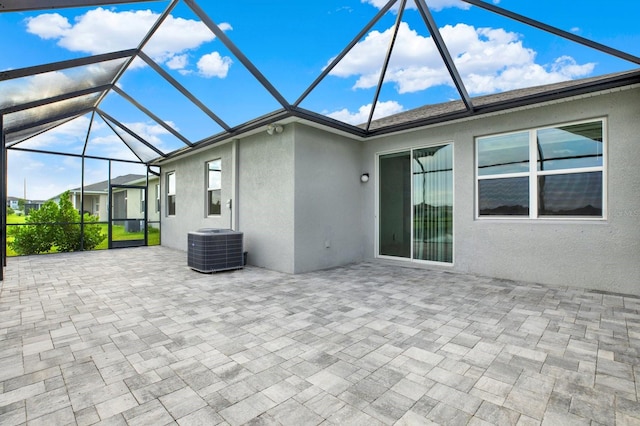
{"points": [[142, 43], [387, 59], [86, 139], [556, 31], [444, 53], [70, 154], [61, 65], [155, 118], [289, 110], [69, 115], [26, 5], [106, 117], [264, 81], [183, 90], [345, 51], [3, 200], [65, 120], [54, 99]]}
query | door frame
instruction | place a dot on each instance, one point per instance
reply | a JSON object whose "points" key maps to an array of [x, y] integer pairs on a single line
{"points": [[411, 259], [127, 243]]}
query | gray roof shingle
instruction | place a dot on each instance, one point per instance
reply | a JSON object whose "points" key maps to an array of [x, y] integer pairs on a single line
{"points": [[104, 185], [505, 100]]}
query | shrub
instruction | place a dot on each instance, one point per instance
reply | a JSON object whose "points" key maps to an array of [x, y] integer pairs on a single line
{"points": [[56, 226], [34, 239]]}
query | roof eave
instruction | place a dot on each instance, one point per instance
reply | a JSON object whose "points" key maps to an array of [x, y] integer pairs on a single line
{"points": [[618, 81]]}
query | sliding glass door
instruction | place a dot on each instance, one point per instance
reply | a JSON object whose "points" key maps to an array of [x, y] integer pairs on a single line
{"points": [[433, 203], [395, 204], [415, 217]]}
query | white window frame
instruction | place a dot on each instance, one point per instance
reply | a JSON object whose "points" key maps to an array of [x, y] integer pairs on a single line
{"points": [[533, 173], [211, 188], [171, 192], [157, 186]]}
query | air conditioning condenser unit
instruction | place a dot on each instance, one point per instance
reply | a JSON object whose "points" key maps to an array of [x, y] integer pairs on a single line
{"points": [[213, 250]]}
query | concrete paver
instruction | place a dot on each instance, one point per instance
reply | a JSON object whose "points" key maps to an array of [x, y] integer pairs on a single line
{"points": [[134, 336]]}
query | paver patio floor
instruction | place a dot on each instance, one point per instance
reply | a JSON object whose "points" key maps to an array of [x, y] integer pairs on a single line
{"points": [[133, 336]]}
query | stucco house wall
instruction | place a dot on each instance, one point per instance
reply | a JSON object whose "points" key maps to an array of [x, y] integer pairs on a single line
{"points": [[265, 204], [191, 196], [134, 208], [297, 202], [298, 198], [153, 214], [328, 204], [261, 167], [597, 254], [90, 203]]}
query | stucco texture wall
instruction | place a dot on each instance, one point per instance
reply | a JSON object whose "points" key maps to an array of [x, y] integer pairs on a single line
{"points": [[191, 196], [266, 199], [328, 200], [302, 207], [596, 254], [298, 201]]}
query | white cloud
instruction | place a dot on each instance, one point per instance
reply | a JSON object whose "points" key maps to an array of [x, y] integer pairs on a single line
{"points": [[436, 5], [48, 25], [109, 145], [42, 86], [214, 65], [68, 136], [149, 132], [178, 62], [488, 60], [529, 75], [101, 30], [383, 109]]}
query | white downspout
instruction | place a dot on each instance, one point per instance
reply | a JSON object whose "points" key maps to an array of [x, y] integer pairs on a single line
{"points": [[235, 190]]}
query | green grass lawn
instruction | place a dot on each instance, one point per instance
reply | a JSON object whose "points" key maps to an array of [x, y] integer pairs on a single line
{"points": [[14, 218], [119, 234]]}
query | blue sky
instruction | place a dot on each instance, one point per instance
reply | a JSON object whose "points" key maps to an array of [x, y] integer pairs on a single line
{"points": [[290, 42]]}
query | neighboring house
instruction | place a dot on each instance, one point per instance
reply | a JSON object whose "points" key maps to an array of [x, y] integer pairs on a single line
{"points": [[14, 203], [540, 191], [127, 202], [30, 205], [133, 199]]}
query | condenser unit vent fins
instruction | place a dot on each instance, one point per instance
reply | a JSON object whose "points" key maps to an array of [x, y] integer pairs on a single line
{"points": [[213, 250]]}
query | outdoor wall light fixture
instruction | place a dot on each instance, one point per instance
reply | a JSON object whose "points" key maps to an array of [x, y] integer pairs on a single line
{"points": [[364, 178], [274, 128]]}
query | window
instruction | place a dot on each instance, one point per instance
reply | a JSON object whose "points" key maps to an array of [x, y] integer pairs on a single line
{"points": [[171, 194], [214, 187], [142, 200], [157, 191], [542, 173]]}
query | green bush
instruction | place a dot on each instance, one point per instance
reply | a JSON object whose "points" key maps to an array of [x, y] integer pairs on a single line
{"points": [[34, 239], [55, 226]]}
